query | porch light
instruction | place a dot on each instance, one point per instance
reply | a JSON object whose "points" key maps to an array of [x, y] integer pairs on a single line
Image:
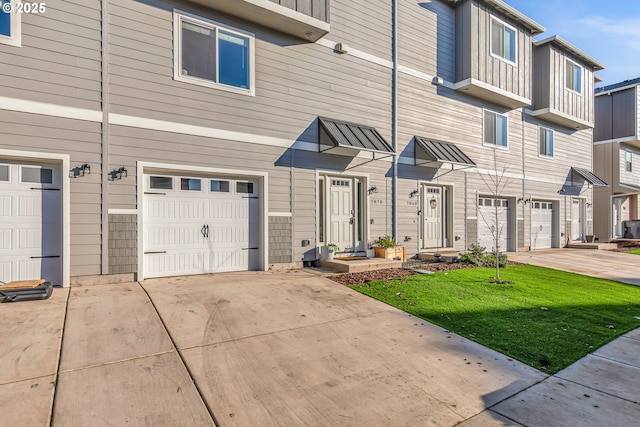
{"points": [[80, 170], [413, 194], [118, 173], [372, 190]]}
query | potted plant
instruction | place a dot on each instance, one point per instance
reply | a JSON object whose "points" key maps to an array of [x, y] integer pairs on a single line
{"points": [[385, 247], [328, 251]]}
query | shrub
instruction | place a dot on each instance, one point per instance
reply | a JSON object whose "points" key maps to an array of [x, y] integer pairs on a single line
{"points": [[478, 255], [386, 242]]}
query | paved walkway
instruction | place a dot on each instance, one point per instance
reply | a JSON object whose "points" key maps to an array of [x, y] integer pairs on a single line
{"points": [[279, 349]]}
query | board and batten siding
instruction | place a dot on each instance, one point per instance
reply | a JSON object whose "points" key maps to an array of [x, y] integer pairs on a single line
{"points": [[295, 82], [59, 61], [81, 140], [616, 115], [318, 9], [426, 38], [473, 51]]}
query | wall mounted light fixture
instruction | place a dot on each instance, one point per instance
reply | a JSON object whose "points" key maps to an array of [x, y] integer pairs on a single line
{"points": [[414, 193], [118, 173], [81, 170], [524, 201], [372, 190]]}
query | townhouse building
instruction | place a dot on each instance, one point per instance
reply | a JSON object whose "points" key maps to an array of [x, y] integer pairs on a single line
{"points": [[616, 148], [161, 138]]}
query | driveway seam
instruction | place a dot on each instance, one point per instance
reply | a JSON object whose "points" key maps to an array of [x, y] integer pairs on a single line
{"points": [[264, 334], [597, 390], [179, 353], [113, 362], [57, 374]]}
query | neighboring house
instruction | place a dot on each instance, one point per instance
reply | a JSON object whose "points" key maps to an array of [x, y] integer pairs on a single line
{"points": [[616, 158], [163, 138]]}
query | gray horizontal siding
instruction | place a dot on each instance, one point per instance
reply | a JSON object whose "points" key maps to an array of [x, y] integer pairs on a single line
{"points": [[81, 140], [294, 84], [59, 60]]}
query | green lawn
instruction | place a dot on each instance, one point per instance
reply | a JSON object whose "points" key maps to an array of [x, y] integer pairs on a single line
{"points": [[636, 252], [547, 318]]}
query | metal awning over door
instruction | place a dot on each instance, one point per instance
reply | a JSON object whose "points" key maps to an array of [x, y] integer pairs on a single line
{"points": [[434, 153], [344, 137]]}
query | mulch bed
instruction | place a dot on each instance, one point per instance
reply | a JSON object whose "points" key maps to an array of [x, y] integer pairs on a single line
{"points": [[350, 279], [627, 246]]}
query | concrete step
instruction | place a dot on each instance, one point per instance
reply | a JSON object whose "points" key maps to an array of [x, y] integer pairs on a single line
{"points": [[448, 256], [358, 265], [600, 246]]}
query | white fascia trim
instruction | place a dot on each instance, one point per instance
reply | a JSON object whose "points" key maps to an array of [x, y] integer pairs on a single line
{"points": [[357, 53], [65, 162], [35, 107], [609, 141], [487, 86], [283, 214], [618, 89], [123, 211], [264, 203], [560, 114]]}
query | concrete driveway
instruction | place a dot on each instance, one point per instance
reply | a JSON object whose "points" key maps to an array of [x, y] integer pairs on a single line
{"points": [[275, 349], [591, 262]]}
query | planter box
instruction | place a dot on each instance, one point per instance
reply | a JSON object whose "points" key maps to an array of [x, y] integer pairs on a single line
{"points": [[391, 253]]}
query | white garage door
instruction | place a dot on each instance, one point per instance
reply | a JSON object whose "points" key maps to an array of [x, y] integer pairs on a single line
{"points": [[30, 223], [493, 218], [542, 229], [195, 225]]}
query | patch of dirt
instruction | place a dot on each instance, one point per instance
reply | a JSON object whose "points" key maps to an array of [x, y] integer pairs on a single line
{"points": [[627, 246], [350, 279]]}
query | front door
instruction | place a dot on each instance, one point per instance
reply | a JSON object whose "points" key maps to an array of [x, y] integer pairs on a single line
{"points": [[617, 217], [432, 216], [346, 214], [576, 219]]}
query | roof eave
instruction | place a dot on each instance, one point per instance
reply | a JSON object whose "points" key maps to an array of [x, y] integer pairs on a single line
{"points": [[559, 41]]}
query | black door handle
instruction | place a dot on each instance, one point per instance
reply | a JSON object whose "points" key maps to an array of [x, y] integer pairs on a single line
{"points": [[207, 231], [203, 231]]}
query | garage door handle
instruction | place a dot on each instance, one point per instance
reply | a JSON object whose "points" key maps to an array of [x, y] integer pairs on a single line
{"points": [[155, 252], [157, 194], [45, 256], [250, 249], [45, 189]]}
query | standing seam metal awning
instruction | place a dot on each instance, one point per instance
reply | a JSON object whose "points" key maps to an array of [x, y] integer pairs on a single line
{"points": [[440, 152], [589, 177], [352, 136]]}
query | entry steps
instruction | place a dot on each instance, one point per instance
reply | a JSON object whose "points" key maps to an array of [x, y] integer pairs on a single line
{"points": [[444, 256], [594, 245], [357, 264]]}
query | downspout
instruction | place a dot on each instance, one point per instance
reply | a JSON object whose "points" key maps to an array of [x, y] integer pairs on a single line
{"points": [[394, 122], [104, 142]]}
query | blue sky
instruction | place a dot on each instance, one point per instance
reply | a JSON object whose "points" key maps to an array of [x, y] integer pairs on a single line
{"points": [[608, 31]]}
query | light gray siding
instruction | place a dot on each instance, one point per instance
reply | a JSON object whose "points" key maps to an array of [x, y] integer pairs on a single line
{"points": [[59, 61], [318, 9], [82, 141], [473, 55]]}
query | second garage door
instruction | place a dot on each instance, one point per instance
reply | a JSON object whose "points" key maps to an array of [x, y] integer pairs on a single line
{"points": [[195, 225], [493, 219], [542, 225]]}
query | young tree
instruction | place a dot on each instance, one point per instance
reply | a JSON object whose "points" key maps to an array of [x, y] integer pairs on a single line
{"points": [[495, 183]]}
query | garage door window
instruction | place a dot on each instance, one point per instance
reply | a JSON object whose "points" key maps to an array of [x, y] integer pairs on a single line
{"points": [[37, 175], [190, 184], [218, 186], [161, 183], [4, 173], [244, 187]]}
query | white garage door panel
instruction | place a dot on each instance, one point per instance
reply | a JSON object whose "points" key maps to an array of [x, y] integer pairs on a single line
{"points": [[542, 234], [200, 231], [31, 226], [492, 221]]}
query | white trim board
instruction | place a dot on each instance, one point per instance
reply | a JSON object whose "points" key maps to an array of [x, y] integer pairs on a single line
{"points": [[35, 107], [123, 211]]}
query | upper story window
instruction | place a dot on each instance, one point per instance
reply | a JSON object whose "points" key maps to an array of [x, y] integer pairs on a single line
{"points": [[495, 129], [503, 41], [574, 76], [9, 23], [628, 161], [545, 138], [213, 55]]}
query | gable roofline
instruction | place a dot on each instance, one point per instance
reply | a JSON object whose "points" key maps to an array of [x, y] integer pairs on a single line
{"points": [[512, 13], [565, 45], [616, 87]]}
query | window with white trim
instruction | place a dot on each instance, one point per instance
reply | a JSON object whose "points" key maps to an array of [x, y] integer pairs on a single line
{"points": [[10, 23], [495, 129], [211, 54], [545, 138], [503, 40], [573, 76], [628, 161]]}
